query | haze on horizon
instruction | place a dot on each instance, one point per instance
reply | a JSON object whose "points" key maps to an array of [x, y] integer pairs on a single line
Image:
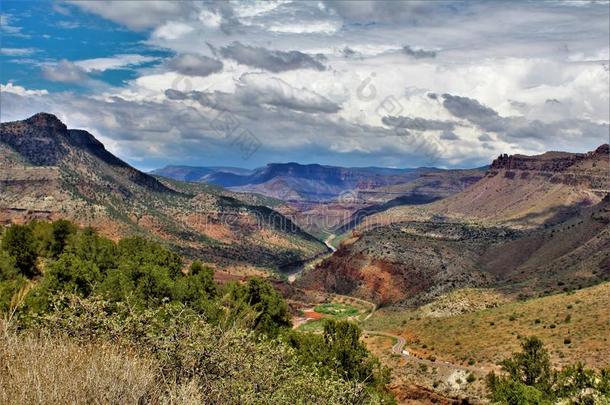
{"points": [[395, 84]]}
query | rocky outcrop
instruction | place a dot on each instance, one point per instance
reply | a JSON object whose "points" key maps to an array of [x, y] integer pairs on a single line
{"points": [[547, 162]]}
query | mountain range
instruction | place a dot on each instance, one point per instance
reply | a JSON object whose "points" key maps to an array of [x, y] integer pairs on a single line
{"points": [[297, 182]]}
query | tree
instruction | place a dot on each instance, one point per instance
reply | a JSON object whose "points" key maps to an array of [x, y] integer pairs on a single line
{"points": [[60, 232], [511, 392], [340, 351], [198, 289], [532, 366], [350, 354], [88, 245], [18, 241], [68, 274], [270, 312], [530, 380]]}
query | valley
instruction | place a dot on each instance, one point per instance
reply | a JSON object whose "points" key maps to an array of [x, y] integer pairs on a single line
{"points": [[445, 271]]}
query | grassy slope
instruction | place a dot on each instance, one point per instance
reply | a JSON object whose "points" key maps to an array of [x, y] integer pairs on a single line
{"points": [[490, 335]]}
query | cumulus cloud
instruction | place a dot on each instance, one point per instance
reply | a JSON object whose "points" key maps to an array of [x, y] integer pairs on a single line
{"points": [[194, 65], [64, 71], [254, 91], [518, 128], [418, 53], [138, 15], [273, 61], [410, 12], [293, 72]]}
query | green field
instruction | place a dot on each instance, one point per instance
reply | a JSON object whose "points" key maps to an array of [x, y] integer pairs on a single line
{"points": [[336, 310]]}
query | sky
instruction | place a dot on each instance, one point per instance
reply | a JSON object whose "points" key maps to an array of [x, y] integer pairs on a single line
{"points": [[364, 83]]}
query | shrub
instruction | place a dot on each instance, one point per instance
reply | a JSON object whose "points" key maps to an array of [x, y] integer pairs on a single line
{"points": [[530, 380]]}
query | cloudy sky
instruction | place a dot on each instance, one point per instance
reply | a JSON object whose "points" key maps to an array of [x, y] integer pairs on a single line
{"points": [[401, 84]]}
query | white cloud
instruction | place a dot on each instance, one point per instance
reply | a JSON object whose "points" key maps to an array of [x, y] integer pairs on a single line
{"points": [[7, 27], [332, 70], [64, 71], [138, 15], [324, 27], [114, 62], [172, 31], [17, 51], [22, 91]]}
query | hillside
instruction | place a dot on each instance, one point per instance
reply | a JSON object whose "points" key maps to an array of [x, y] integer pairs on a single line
{"points": [[50, 171], [471, 331], [427, 188], [522, 191], [491, 334]]}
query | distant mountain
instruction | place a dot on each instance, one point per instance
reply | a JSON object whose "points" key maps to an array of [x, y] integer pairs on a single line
{"points": [[49, 171], [297, 182]]}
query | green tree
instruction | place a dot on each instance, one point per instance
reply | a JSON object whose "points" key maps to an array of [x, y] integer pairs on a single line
{"points": [[511, 392], [137, 250], [532, 366], [68, 274], [198, 289], [18, 241], [259, 302], [87, 244], [61, 230]]}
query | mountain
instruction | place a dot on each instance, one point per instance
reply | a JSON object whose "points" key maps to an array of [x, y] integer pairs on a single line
{"points": [[522, 191], [296, 182], [49, 171], [531, 226]]}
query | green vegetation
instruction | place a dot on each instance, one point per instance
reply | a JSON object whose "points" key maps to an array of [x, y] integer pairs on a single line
{"points": [[340, 349], [530, 379], [79, 295], [336, 310]]}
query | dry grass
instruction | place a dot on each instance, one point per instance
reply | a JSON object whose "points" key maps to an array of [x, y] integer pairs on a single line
{"points": [[39, 370]]}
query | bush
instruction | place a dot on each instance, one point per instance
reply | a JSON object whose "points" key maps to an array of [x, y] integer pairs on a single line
{"points": [[198, 359]]}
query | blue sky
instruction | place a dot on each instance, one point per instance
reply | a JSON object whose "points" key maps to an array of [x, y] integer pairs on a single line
{"points": [[387, 83], [49, 31]]}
